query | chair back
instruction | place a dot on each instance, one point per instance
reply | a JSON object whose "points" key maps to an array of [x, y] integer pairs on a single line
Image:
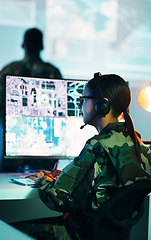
{"points": [[117, 216]]}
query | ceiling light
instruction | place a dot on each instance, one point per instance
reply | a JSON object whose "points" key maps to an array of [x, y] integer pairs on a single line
{"points": [[144, 98]]}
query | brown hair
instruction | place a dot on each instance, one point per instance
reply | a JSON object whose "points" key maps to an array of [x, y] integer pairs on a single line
{"points": [[117, 91]]}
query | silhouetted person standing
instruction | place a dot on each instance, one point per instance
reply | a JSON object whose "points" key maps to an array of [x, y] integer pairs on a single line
{"points": [[31, 64]]}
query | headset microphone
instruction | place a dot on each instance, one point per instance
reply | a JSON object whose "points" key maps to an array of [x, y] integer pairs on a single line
{"points": [[102, 106], [89, 121]]}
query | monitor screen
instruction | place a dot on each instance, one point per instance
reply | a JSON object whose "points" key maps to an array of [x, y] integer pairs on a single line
{"points": [[42, 118]]}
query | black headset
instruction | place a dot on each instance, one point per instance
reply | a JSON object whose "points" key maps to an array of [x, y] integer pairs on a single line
{"points": [[102, 106]]}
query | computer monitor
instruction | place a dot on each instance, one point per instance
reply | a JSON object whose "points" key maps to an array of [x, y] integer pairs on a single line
{"points": [[42, 118]]}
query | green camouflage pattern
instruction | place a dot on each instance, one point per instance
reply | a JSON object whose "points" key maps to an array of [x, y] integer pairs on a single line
{"points": [[29, 66], [107, 162], [32, 66]]}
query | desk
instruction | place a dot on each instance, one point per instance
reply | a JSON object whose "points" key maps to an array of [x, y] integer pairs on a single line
{"points": [[19, 203]]}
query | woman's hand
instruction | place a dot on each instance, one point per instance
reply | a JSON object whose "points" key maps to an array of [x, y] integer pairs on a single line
{"points": [[37, 176]]}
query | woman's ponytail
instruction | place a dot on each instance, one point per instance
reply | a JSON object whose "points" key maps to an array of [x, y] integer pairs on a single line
{"points": [[132, 133]]}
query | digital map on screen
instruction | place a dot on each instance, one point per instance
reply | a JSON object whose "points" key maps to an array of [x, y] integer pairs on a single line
{"points": [[42, 116]]}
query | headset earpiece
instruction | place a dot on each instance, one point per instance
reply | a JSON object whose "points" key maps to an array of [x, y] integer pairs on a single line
{"points": [[102, 106]]}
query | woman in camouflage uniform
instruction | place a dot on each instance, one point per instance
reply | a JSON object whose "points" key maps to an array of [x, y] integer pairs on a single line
{"points": [[112, 159]]}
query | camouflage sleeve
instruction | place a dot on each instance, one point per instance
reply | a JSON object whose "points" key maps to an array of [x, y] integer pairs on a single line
{"points": [[73, 186], [105, 164]]}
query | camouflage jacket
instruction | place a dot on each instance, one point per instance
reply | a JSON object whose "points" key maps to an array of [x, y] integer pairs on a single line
{"points": [[29, 66], [32, 66], [107, 162]]}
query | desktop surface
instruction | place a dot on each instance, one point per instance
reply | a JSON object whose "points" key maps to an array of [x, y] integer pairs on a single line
{"points": [[20, 203], [12, 191]]}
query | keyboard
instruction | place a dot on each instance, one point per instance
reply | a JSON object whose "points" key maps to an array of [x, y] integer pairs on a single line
{"points": [[25, 181]]}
